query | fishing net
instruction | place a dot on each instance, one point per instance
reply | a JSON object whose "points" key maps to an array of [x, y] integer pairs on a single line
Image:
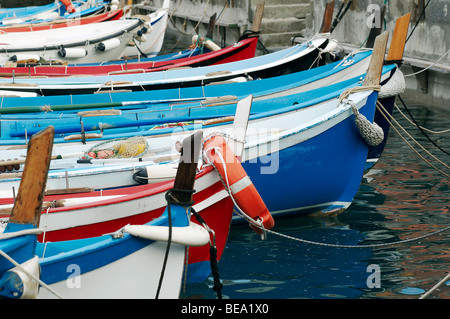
{"points": [[135, 146]]}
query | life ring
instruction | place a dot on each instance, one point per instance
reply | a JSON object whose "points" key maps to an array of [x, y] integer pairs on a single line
{"points": [[240, 186], [69, 6]]}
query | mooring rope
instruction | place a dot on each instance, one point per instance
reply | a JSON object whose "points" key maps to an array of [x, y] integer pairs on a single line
{"points": [[423, 132], [381, 245], [418, 20], [435, 287], [423, 128], [383, 113], [428, 67]]}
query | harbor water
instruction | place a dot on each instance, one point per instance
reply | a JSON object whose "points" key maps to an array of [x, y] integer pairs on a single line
{"points": [[402, 197]]}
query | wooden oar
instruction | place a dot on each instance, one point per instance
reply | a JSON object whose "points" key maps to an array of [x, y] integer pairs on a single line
{"points": [[28, 203]]}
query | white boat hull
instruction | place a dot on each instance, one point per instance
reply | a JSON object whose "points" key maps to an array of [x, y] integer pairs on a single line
{"points": [[117, 280]]}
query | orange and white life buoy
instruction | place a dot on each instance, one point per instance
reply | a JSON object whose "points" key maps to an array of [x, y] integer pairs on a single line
{"points": [[240, 186], [69, 6]]}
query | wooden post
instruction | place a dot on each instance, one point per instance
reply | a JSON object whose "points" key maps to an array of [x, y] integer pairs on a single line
{"points": [[212, 23], [27, 207], [373, 74], [327, 17], [259, 11], [398, 42], [187, 168]]}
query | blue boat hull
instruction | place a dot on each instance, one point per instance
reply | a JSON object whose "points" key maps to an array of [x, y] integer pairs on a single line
{"points": [[319, 175]]}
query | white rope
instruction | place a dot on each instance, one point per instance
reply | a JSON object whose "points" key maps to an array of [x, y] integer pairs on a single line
{"points": [[347, 92], [351, 54], [430, 66], [33, 231], [435, 287], [423, 128]]}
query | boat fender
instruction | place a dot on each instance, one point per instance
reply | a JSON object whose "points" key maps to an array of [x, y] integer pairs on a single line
{"points": [[8, 21], [331, 46], [241, 187], [24, 57], [69, 6], [372, 133], [48, 16], [155, 173], [141, 176], [72, 53], [109, 44], [141, 38], [207, 42], [193, 235], [396, 85], [146, 29], [17, 283]]}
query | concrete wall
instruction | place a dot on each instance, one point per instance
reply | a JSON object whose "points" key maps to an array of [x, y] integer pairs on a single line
{"points": [[192, 16], [429, 42]]}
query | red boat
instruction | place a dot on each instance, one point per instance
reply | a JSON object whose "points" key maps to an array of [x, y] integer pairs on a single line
{"points": [[241, 50]]}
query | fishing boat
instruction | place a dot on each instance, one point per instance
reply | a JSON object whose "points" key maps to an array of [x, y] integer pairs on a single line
{"points": [[19, 15], [95, 213], [61, 23], [143, 116], [149, 40], [244, 49], [154, 253], [304, 132], [64, 9], [82, 43], [146, 61], [392, 85], [299, 57]]}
